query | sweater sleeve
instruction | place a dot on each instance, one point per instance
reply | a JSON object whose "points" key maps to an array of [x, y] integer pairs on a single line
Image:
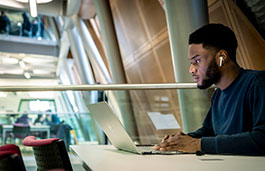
{"points": [[246, 143]]}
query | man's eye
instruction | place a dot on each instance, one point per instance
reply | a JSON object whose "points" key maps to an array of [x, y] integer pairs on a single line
{"points": [[194, 62], [197, 61]]}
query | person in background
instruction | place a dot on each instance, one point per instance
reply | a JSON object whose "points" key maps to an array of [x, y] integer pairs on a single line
{"points": [[10, 119], [235, 123], [41, 28], [4, 23], [34, 28], [39, 119], [24, 119], [26, 26], [53, 120]]}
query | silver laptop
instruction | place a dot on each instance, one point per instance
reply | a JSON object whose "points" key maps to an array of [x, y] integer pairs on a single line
{"points": [[115, 131]]}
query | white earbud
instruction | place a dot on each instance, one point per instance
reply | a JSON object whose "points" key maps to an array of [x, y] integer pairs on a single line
{"points": [[221, 61]]}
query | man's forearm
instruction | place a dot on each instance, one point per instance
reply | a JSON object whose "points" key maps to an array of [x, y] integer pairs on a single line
{"points": [[242, 143]]}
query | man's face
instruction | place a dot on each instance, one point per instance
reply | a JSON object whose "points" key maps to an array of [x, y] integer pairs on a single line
{"points": [[203, 68]]}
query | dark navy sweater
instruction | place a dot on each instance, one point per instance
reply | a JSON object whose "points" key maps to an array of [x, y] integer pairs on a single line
{"points": [[235, 123]]}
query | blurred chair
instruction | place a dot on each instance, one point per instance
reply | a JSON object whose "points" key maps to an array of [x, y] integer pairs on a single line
{"points": [[20, 131], [1, 133], [50, 154], [11, 158]]}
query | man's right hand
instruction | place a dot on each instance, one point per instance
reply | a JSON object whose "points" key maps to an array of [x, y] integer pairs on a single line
{"points": [[163, 141]]}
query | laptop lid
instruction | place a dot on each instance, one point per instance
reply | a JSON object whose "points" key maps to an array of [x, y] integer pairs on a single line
{"points": [[112, 126]]}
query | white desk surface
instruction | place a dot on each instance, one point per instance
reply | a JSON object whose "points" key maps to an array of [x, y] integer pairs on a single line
{"points": [[106, 157]]}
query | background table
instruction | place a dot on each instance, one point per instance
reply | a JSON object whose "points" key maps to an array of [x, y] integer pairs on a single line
{"points": [[33, 128], [106, 157]]}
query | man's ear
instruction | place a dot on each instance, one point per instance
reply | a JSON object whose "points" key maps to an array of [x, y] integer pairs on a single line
{"points": [[222, 57]]}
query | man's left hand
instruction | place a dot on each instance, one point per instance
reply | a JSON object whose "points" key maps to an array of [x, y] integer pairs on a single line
{"points": [[179, 142]]}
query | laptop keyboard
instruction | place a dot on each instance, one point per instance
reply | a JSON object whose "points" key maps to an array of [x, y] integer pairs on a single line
{"points": [[149, 150]]}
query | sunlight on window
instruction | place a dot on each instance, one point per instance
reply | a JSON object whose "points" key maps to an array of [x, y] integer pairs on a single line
{"points": [[3, 94], [39, 105]]}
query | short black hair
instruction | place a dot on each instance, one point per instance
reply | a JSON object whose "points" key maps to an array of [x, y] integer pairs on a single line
{"points": [[216, 36]]}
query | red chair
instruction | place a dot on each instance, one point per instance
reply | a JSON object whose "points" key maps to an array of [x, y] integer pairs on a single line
{"points": [[11, 158], [49, 153]]}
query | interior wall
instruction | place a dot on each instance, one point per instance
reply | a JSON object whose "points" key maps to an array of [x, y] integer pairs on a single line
{"points": [[143, 39], [251, 46], [9, 103]]}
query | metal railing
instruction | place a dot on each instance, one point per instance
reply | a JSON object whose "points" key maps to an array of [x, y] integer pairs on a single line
{"points": [[100, 87]]}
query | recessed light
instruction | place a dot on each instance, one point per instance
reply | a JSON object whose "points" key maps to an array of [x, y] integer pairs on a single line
{"points": [[38, 1], [10, 60], [27, 75], [41, 72], [14, 71], [33, 60], [22, 64]]}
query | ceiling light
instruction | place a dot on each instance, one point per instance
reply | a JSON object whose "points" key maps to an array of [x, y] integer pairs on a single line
{"points": [[33, 60], [14, 71], [22, 64], [27, 75], [38, 1], [41, 72], [10, 60]]}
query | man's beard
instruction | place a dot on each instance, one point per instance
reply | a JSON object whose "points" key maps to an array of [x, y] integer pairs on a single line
{"points": [[213, 75]]}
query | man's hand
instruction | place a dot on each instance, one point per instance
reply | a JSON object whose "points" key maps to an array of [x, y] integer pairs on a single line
{"points": [[179, 142]]}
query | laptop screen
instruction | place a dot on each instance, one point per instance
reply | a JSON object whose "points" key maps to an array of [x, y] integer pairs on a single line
{"points": [[112, 126]]}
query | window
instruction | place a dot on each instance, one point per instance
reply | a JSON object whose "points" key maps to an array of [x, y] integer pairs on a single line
{"points": [[36, 105]]}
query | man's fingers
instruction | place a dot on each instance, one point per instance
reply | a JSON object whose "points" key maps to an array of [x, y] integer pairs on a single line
{"points": [[169, 148], [177, 142], [181, 133], [165, 144], [156, 147], [165, 138], [163, 149]]}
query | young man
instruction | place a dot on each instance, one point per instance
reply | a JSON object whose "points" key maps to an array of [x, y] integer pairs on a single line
{"points": [[235, 123]]}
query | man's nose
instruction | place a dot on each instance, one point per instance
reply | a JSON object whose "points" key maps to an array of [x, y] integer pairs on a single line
{"points": [[192, 69]]}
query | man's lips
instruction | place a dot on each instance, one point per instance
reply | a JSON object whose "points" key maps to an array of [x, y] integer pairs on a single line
{"points": [[195, 78]]}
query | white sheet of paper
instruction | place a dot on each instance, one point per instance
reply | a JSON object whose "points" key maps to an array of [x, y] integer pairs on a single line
{"points": [[163, 121]]}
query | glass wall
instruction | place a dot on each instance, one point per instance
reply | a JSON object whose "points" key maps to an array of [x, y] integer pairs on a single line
{"points": [[155, 113], [20, 23]]}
